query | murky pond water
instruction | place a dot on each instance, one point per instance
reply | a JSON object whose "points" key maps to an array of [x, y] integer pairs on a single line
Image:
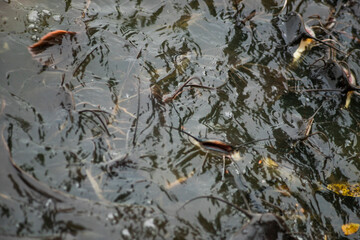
{"points": [[90, 150]]}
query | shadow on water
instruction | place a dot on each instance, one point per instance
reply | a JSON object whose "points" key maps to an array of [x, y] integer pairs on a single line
{"points": [[87, 151]]}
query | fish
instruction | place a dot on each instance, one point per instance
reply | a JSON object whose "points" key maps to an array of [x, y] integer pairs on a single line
{"points": [[215, 146]]}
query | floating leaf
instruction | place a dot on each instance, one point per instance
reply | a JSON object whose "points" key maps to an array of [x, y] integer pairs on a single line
{"points": [[268, 162], [351, 79], [345, 189], [304, 44], [179, 181], [284, 190], [350, 228], [348, 99], [235, 155], [54, 47]]}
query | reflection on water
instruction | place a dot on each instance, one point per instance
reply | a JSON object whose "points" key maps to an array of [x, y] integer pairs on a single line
{"points": [[92, 152]]}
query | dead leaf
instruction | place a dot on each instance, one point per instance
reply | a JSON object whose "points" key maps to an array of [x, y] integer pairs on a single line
{"points": [[284, 190], [179, 181], [268, 162], [348, 98], [350, 228], [345, 189], [304, 45], [54, 48]]}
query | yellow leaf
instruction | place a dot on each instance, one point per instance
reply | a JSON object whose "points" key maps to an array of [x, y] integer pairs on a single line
{"points": [[284, 190], [350, 228], [268, 162], [348, 98], [304, 44], [345, 189]]}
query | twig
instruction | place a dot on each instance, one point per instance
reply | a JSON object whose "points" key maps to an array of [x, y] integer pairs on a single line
{"points": [[180, 90], [247, 213], [95, 185], [137, 114], [91, 50], [285, 4], [249, 17], [87, 5], [98, 117]]}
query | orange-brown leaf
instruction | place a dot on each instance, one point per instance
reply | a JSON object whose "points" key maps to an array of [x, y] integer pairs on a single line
{"points": [[50, 39], [350, 228], [54, 48]]}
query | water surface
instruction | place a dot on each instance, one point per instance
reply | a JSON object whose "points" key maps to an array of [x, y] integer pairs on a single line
{"points": [[105, 164]]}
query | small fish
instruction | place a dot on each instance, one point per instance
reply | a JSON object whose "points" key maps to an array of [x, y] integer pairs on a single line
{"points": [[215, 146]]}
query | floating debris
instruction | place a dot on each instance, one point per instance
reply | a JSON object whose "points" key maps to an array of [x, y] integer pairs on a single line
{"points": [[56, 17], [179, 181], [46, 12], [352, 82], [305, 44], [268, 162], [50, 50], [125, 232], [33, 16], [345, 189], [350, 228], [150, 223]]}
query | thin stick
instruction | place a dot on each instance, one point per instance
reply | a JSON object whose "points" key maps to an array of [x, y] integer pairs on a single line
{"points": [[310, 122], [98, 117], [137, 114], [325, 43], [249, 214], [179, 91], [201, 86], [62, 79], [223, 172], [87, 5], [91, 50], [282, 9], [322, 90], [254, 141], [249, 17], [3, 105], [95, 185]]}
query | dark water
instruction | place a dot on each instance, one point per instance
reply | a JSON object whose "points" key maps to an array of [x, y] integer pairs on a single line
{"points": [[82, 173]]}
